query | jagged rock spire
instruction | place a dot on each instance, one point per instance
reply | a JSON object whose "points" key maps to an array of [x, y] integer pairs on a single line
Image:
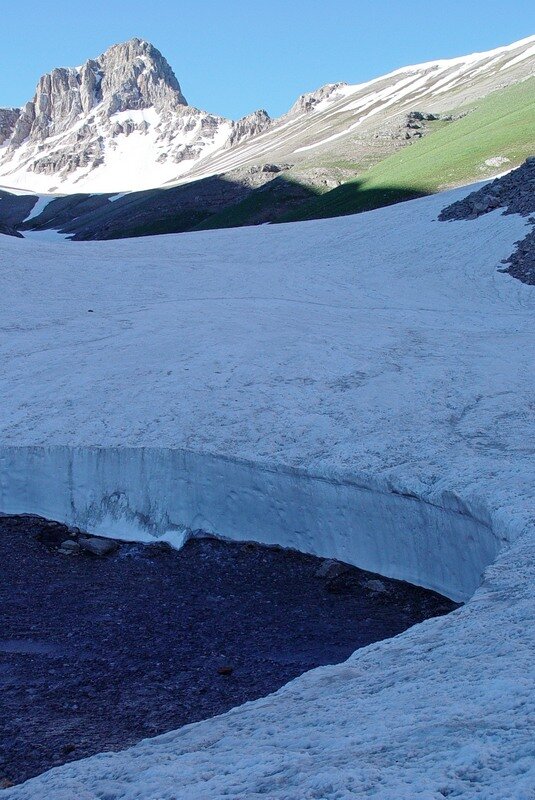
{"points": [[128, 76]]}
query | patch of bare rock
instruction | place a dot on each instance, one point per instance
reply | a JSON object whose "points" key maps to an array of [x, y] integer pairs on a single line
{"points": [[103, 643], [514, 192]]}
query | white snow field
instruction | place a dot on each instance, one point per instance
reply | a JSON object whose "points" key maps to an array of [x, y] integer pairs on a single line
{"points": [[359, 387]]}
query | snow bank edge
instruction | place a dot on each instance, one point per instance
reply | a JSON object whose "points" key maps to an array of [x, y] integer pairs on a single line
{"points": [[160, 493]]}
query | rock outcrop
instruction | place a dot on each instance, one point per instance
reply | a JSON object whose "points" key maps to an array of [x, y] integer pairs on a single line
{"points": [[515, 193], [307, 102], [248, 126], [8, 120], [8, 230]]}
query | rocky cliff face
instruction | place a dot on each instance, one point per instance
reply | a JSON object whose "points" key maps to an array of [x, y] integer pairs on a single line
{"points": [[81, 119], [128, 76], [8, 119]]}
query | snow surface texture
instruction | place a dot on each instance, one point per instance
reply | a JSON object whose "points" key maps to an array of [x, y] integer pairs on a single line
{"points": [[316, 384]]}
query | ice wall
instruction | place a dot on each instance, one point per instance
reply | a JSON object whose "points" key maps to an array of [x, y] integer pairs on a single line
{"points": [[141, 493]]}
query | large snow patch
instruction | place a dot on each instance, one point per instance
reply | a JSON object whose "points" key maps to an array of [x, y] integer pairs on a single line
{"points": [[358, 387]]}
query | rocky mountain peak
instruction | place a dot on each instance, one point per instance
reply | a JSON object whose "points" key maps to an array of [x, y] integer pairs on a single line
{"points": [[136, 75], [250, 125], [307, 102], [129, 76]]}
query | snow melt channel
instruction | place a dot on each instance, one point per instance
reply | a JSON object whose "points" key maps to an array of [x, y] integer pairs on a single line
{"points": [[147, 493]]}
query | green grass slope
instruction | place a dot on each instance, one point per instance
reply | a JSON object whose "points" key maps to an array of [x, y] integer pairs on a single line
{"points": [[501, 126]]}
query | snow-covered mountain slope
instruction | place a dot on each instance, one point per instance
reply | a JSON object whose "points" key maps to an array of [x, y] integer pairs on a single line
{"points": [[358, 387], [117, 122], [353, 121], [120, 122]]}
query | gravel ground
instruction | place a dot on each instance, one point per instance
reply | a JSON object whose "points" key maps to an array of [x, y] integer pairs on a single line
{"points": [[516, 193], [98, 652]]}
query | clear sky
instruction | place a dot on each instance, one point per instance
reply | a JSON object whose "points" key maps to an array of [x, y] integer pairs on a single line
{"points": [[233, 57]]}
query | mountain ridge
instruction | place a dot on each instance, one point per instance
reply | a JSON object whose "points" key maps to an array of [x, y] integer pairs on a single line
{"points": [[120, 122]]}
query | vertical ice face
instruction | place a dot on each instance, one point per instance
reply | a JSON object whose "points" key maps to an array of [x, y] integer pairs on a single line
{"points": [[147, 493]]}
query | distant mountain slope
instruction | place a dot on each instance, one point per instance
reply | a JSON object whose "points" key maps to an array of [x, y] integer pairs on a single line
{"points": [[120, 122], [122, 119], [497, 135], [344, 128]]}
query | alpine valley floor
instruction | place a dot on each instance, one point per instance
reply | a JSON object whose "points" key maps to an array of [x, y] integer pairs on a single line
{"points": [[359, 387]]}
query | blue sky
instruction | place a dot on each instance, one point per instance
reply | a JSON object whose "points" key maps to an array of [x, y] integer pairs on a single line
{"points": [[233, 57]]}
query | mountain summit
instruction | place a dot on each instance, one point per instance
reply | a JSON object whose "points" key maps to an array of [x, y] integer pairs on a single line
{"points": [[81, 117], [127, 77]]}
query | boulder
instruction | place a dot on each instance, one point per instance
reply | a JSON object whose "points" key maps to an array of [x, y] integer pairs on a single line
{"points": [[331, 569], [97, 546], [69, 547], [376, 586]]}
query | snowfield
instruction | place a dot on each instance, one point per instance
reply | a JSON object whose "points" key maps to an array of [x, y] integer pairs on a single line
{"points": [[359, 387]]}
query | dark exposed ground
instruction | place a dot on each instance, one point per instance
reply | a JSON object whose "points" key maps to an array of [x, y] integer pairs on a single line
{"points": [[97, 653], [515, 192], [244, 196]]}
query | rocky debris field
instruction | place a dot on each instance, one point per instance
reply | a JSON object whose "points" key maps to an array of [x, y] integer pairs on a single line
{"points": [[516, 193], [104, 643]]}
